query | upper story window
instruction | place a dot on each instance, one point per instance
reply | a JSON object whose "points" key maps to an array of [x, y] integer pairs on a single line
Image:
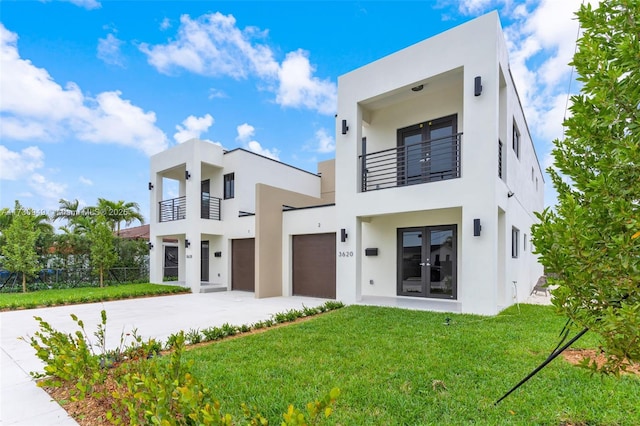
{"points": [[229, 186], [515, 242], [516, 139], [500, 160]]}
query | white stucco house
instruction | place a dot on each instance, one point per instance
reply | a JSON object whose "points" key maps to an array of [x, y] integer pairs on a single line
{"points": [[428, 203]]}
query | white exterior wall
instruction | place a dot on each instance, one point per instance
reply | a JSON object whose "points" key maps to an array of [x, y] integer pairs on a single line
{"points": [[205, 160], [317, 220], [376, 101]]}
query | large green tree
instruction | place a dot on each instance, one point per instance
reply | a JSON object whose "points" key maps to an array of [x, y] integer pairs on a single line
{"points": [[590, 244], [19, 250], [103, 252]]}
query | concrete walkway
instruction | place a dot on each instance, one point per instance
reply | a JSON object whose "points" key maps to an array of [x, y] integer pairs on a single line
{"points": [[23, 403]]}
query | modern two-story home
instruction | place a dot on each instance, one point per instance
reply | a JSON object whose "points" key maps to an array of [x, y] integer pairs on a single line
{"points": [[428, 204]]}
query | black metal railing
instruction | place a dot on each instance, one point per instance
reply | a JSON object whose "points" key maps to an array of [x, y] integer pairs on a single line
{"points": [[173, 209], [427, 161], [210, 207]]}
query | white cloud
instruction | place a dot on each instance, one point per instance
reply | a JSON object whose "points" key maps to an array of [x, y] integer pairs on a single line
{"points": [[212, 45], [326, 142], [50, 191], [245, 133], [215, 93], [85, 181], [298, 87], [34, 106], [192, 127], [109, 50], [165, 24], [16, 165], [87, 4], [469, 7]]}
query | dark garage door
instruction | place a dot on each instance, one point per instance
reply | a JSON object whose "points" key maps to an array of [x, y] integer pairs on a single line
{"points": [[314, 265], [243, 264]]}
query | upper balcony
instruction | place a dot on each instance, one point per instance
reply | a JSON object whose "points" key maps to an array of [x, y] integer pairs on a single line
{"points": [[176, 208], [416, 161]]}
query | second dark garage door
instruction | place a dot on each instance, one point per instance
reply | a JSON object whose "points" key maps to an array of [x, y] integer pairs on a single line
{"points": [[314, 265]]}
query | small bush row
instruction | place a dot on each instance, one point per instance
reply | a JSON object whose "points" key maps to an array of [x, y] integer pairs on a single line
{"points": [[210, 334]]}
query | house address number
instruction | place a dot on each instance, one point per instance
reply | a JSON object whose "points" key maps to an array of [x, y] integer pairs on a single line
{"points": [[345, 254]]}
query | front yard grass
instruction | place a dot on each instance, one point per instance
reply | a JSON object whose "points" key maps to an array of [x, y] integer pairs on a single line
{"points": [[70, 296], [402, 367]]}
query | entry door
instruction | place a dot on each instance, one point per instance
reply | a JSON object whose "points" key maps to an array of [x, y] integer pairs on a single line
{"points": [[204, 261], [427, 151], [427, 259]]}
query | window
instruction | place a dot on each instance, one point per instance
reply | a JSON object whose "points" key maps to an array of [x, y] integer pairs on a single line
{"points": [[515, 242], [524, 242], [516, 139], [229, 186], [532, 174], [499, 158]]}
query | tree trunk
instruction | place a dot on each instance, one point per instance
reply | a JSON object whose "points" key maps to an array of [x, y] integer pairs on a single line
{"points": [[101, 275], [24, 282]]}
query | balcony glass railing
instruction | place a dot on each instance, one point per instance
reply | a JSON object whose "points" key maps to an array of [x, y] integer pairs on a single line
{"points": [[422, 162]]}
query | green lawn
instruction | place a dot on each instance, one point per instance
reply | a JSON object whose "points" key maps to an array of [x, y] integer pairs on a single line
{"points": [[70, 296], [385, 362]]}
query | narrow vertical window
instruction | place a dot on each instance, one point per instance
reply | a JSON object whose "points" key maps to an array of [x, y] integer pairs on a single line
{"points": [[229, 186], [524, 242], [516, 139], [499, 158], [515, 242]]}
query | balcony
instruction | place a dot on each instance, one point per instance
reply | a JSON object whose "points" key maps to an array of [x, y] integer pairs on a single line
{"points": [[210, 207], [422, 162], [173, 209]]}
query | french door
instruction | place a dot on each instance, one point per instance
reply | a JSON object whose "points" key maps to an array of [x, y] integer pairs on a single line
{"points": [[427, 262], [427, 151]]}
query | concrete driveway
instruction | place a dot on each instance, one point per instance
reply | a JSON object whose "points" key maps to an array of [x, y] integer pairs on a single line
{"points": [[23, 403]]}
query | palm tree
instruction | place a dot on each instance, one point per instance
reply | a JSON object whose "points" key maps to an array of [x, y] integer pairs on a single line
{"points": [[116, 212]]}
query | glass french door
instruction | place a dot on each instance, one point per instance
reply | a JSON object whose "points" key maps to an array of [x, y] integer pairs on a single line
{"points": [[427, 259], [427, 151]]}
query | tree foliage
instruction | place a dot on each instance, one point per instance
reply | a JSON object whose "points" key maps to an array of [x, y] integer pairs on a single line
{"points": [[590, 244], [103, 253], [19, 250]]}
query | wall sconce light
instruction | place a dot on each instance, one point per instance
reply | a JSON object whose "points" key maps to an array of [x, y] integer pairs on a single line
{"points": [[186, 243], [371, 252], [476, 227], [477, 90], [345, 128], [150, 186], [217, 254], [343, 235], [186, 175], [150, 245], [510, 194]]}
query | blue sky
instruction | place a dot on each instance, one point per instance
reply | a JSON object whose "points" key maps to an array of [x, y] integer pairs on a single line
{"points": [[90, 89]]}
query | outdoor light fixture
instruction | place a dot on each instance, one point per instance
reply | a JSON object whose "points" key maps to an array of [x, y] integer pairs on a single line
{"points": [[345, 128], [417, 88], [150, 186], [343, 235], [186, 175], [186, 243], [477, 86], [217, 254], [150, 245], [476, 227], [510, 194]]}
